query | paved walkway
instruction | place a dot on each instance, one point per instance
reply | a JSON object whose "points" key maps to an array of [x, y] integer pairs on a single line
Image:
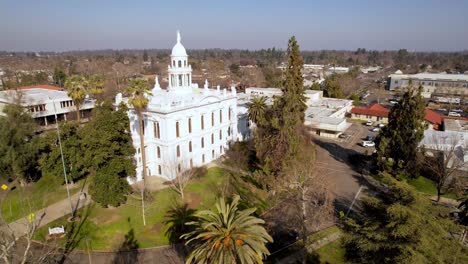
{"points": [[49, 214]]}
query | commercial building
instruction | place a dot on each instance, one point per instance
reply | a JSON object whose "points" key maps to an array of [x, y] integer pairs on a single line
{"points": [[184, 126], [433, 83], [44, 101]]}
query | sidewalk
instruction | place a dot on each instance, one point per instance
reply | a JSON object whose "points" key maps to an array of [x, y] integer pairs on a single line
{"points": [[49, 214]]}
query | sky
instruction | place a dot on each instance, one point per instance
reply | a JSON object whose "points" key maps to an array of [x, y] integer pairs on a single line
{"points": [[62, 25]]}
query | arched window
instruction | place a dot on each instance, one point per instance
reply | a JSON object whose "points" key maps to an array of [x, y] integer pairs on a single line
{"points": [[220, 135], [190, 146], [178, 151], [180, 63], [190, 125], [185, 63], [220, 115], [212, 118], [158, 150], [159, 170], [212, 138], [177, 129], [202, 142], [173, 63], [212, 154], [202, 121]]}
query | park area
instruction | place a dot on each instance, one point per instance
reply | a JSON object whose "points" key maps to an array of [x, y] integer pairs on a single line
{"points": [[109, 228]]}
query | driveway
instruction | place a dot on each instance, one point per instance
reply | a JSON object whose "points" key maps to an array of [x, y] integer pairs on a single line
{"points": [[341, 160]]}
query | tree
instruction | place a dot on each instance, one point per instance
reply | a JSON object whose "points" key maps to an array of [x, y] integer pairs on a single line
{"points": [[107, 151], [399, 226], [59, 77], [138, 89], [463, 218], [182, 179], [332, 87], [76, 88], [145, 55], [403, 133], [176, 220], [443, 156], [95, 85], [257, 108], [227, 235], [18, 144], [50, 161], [276, 138]]}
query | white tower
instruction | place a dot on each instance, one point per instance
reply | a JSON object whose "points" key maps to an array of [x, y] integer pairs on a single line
{"points": [[180, 72]]}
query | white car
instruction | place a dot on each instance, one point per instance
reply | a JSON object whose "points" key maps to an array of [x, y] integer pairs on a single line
{"points": [[454, 114], [375, 129], [369, 123], [366, 143], [381, 125]]}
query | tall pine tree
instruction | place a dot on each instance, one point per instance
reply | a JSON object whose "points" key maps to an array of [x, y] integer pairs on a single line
{"points": [[399, 140], [278, 135]]}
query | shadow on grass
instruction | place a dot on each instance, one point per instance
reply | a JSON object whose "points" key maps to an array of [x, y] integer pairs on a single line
{"points": [[127, 253]]}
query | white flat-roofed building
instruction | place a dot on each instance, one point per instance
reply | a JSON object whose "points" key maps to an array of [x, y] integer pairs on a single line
{"points": [[184, 126], [44, 101], [324, 116], [432, 83]]}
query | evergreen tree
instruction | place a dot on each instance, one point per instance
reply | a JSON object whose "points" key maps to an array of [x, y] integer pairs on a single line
{"points": [[17, 144], [108, 154], [332, 87], [400, 226], [277, 136], [398, 141], [51, 159], [59, 77]]}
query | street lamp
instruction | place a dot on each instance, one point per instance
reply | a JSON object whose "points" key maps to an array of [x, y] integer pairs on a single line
{"points": [[63, 160]]}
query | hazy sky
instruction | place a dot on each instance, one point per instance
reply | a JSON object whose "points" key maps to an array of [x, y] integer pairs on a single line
{"points": [[58, 25]]}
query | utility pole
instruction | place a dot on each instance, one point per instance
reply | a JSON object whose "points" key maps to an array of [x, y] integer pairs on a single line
{"points": [[63, 161]]}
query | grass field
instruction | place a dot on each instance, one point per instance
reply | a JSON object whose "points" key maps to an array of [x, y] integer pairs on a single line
{"points": [[332, 253], [427, 186], [106, 228], [20, 201]]}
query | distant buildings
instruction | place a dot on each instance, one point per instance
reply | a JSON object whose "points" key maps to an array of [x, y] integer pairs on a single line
{"points": [[432, 83], [184, 126], [43, 102]]}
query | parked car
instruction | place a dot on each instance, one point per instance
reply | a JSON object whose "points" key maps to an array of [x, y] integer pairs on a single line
{"points": [[369, 123], [381, 125], [370, 138], [457, 110], [367, 143], [375, 129], [454, 114]]}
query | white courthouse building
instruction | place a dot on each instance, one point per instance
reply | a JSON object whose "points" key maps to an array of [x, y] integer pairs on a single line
{"points": [[184, 126]]}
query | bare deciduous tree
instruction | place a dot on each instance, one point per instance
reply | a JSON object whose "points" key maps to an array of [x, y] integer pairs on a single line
{"points": [[181, 174], [444, 155]]}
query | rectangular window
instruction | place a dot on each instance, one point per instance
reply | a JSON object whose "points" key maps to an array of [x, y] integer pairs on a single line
{"points": [[203, 158], [202, 122], [212, 138], [229, 113], [220, 116], [190, 146], [212, 119], [178, 151], [190, 125], [220, 149], [177, 129], [159, 152], [159, 169], [212, 154], [220, 135], [202, 142], [156, 130]]}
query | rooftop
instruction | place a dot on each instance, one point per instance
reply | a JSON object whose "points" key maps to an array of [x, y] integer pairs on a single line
{"points": [[432, 76], [38, 94], [456, 125]]}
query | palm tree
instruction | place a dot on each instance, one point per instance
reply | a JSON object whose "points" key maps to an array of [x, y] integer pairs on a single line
{"points": [[137, 90], [228, 235], [76, 89], [176, 219], [257, 108], [95, 84]]}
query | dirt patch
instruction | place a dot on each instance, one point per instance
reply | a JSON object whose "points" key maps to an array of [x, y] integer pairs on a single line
{"points": [[156, 227], [107, 218], [193, 200]]}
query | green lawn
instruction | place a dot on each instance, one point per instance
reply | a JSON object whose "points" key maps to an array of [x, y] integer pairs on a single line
{"points": [[427, 186], [332, 253], [20, 201], [106, 228]]}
